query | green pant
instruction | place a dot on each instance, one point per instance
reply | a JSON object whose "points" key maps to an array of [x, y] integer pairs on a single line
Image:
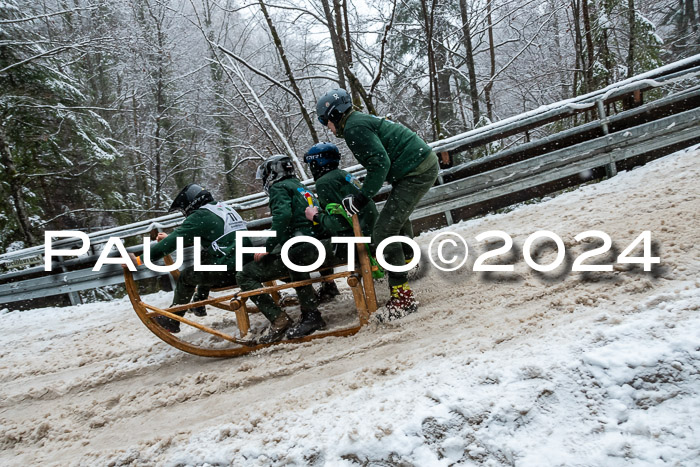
{"points": [[271, 267], [394, 218], [202, 281]]}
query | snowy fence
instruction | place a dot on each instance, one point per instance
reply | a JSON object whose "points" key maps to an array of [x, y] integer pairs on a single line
{"points": [[573, 154]]}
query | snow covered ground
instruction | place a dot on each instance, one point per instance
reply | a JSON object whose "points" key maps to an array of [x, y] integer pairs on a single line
{"points": [[522, 368]]}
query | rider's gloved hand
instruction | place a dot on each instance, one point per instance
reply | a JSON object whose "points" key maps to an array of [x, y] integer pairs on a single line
{"points": [[354, 203]]}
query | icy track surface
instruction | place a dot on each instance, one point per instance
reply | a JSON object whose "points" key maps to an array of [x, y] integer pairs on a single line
{"points": [[577, 370]]}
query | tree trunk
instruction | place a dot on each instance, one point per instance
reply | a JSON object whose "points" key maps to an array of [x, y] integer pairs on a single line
{"points": [[357, 85], [632, 20], [343, 43], [433, 94], [335, 41], [15, 188], [380, 67], [159, 140], [471, 68], [222, 123], [578, 41], [588, 34], [343, 58], [443, 105], [492, 57], [288, 71], [560, 61]]}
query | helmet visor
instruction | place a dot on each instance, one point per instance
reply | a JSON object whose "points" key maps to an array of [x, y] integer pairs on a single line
{"points": [[323, 119], [260, 174]]}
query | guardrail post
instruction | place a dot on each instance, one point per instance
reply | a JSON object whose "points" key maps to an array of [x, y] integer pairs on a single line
{"points": [[610, 169], [74, 297], [448, 213]]}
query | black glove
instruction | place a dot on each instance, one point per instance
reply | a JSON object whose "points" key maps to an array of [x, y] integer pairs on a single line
{"points": [[354, 203]]}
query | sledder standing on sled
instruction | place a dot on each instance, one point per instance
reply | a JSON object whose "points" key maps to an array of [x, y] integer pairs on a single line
{"points": [[216, 225], [393, 153], [288, 201]]}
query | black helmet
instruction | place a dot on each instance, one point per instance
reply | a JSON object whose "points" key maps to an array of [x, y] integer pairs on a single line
{"points": [[332, 105], [322, 158], [191, 198], [274, 169]]}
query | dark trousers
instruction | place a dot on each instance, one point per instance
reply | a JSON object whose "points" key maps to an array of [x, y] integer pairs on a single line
{"points": [[394, 218], [201, 282]]}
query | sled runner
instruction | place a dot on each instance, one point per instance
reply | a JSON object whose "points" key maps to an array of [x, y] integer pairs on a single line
{"points": [[221, 344]]}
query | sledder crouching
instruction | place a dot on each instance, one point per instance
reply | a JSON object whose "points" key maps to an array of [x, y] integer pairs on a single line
{"points": [[216, 225], [288, 201]]}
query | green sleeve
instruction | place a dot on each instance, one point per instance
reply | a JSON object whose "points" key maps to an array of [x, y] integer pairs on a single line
{"points": [[369, 151], [333, 225], [188, 230], [326, 194], [281, 210]]}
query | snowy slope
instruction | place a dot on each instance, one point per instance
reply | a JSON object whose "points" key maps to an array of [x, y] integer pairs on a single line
{"points": [[526, 369]]}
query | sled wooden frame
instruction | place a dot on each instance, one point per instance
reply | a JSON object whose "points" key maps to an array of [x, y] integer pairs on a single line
{"points": [[360, 281]]}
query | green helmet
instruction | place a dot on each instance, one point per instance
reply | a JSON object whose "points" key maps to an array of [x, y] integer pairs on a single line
{"points": [[274, 169], [332, 105]]}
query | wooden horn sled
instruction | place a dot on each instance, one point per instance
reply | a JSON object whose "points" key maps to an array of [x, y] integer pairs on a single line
{"points": [[221, 344]]}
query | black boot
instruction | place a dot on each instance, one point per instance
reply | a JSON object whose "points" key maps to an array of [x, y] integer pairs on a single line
{"points": [[311, 321], [169, 324], [199, 296], [199, 311], [277, 329], [327, 292]]}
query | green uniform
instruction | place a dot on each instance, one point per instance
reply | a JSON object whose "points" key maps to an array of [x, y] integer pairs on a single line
{"points": [[332, 187], [288, 203], [216, 226], [393, 153]]}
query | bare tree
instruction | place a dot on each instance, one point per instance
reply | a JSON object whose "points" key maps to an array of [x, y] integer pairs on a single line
{"points": [[471, 67], [288, 70]]}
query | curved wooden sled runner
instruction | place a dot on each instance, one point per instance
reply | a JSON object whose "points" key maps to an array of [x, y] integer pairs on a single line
{"points": [[359, 280]]}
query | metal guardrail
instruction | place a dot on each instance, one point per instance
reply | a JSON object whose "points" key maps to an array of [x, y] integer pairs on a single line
{"points": [[555, 165], [603, 150]]}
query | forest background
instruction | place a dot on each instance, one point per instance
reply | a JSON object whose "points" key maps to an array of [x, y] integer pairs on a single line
{"points": [[107, 108]]}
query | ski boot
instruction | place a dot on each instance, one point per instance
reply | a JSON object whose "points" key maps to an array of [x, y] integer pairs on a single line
{"points": [[311, 321]]}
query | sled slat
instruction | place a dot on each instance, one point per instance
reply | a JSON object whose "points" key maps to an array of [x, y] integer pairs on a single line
{"points": [[290, 285], [195, 324]]}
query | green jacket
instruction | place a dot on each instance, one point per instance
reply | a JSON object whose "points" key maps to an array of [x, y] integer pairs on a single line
{"points": [[207, 225], [332, 187], [288, 203], [386, 149]]}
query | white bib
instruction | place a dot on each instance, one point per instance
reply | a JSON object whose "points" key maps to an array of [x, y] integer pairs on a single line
{"points": [[232, 221]]}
